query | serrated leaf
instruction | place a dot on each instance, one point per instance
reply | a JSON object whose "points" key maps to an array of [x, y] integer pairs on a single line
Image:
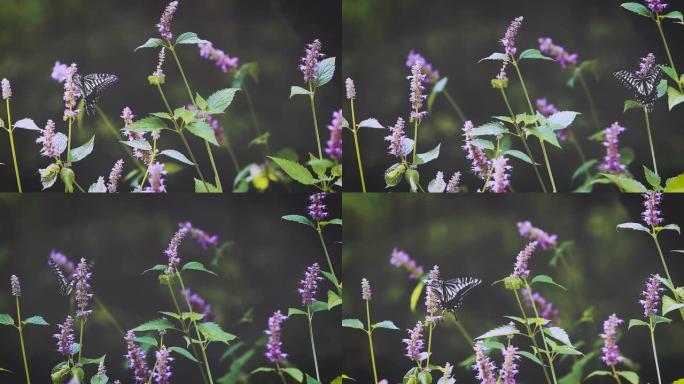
{"points": [[196, 266], [151, 43], [488, 129], [172, 153], [80, 153], [220, 100], [324, 71], [558, 334], [298, 219], [675, 184], [214, 332], [625, 183], [482, 143], [296, 90], [203, 130], [36, 320], [561, 120], [188, 38], [146, 340], [352, 323], [147, 124], [205, 187], [385, 324], [670, 305], [371, 123], [154, 325], [533, 54], [652, 179], [544, 133], [295, 170], [333, 300], [422, 158], [504, 330], [520, 155], [674, 97], [184, 352], [637, 8], [138, 143], [546, 279]]}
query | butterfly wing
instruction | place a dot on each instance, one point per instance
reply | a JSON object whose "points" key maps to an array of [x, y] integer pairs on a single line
{"points": [[644, 88], [454, 290], [92, 86], [65, 285]]}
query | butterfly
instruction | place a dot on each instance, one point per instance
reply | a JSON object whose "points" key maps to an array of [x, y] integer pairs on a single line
{"points": [[92, 86], [451, 292], [66, 285], [644, 88]]}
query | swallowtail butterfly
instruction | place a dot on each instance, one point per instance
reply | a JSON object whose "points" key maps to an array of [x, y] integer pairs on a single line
{"points": [[66, 285], [451, 292], [644, 88], [92, 86]]}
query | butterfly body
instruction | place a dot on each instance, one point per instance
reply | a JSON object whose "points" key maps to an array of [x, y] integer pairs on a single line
{"points": [[66, 285], [644, 88], [451, 292], [92, 86]]}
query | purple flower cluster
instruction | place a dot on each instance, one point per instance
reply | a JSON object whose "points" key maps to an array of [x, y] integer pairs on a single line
{"points": [[521, 267], [454, 181], [162, 373], [611, 161], [509, 368], [647, 65], [431, 74], [15, 286], [447, 376], [334, 145], [416, 96], [83, 289], [317, 209], [199, 305], [48, 139], [545, 308], [544, 240], [431, 298], [213, 122], [656, 6], [652, 215], [159, 71], [274, 352], [136, 359], [365, 289], [563, 58], [222, 60], [171, 251], [396, 139], [115, 176], [156, 178], [65, 337], [611, 352], [508, 41], [480, 163], [164, 25], [6, 89], [415, 342], [485, 368], [500, 177], [401, 259], [651, 295], [309, 284], [71, 93], [62, 260], [310, 61], [350, 88], [59, 71], [202, 238], [547, 109]]}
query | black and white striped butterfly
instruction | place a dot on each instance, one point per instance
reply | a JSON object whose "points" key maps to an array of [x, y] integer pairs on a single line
{"points": [[644, 88], [451, 292], [66, 285], [92, 86]]}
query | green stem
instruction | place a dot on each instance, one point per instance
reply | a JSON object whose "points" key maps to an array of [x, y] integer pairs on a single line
{"points": [[197, 332], [10, 130], [580, 152], [541, 142], [108, 315], [615, 375], [653, 343], [315, 120], [152, 157], [455, 106], [429, 348], [667, 51], [280, 373], [21, 340], [662, 257], [115, 132], [650, 140], [233, 158], [252, 112], [491, 168], [370, 342], [546, 347], [69, 141], [80, 339], [309, 316], [213, 166], [415, 139], [531, 335], [463, 331], [327, 255], [356, 144], [590, 99]]}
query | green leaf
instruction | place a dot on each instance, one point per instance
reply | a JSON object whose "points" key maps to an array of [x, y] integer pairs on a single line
{"points": [[295, 170], [188, 38], [520, 155], [558, 334], [436, 89], [566, 350], [213, 332], [625, 183], [263, 369], [561, 120], [197, 266], [494, 56], [26, 124], [352, 323], [415, 295], [154, 325], [147, 124], [633, 226], [531, 357], [78, 374], [670, 305], [295, 373], [6, 319], [371, 123], [158, 267], [151, 43], [661, 89], [385, 324], [674, 97], [670, 72], [184, 352], [203, 130], [675, 184], [99, 379], [324, 71], [201, 102], [67, 176], [172, 153], [80, 153], [546, 279], [481, 143], [184, 114], [333, 300], [48, 175], [674, 15], [295, 312], [318, 306], [637, 8], [598, 373], [504, 330], [219, 101], [298, 219], [311, 380], [670, 227], [146, 340], [205, 187], [632, 104], [36, 320], [296, 90], [655, 319], [138, 144], [488, 129], [636, 323], [332, 222], [394, 174], [630, 376], [426, 157], [533, 54], [652, 179], [584, 168], [544, 133]]}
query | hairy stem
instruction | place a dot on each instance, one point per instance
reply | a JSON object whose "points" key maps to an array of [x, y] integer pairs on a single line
{"points": [[650, 140], [309, 316], [10, 130], [20, 327], [312, 101], [370, 342], [356, 144]]}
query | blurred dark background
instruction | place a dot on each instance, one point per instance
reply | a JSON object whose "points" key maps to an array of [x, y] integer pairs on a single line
{"points": [[477, 236], [257, 276], [454, 35], [100, 36]]}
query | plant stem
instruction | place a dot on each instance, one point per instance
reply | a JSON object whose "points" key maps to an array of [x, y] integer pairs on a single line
{"points": [[108, 315], [233, 158], [655, 354], [546, 347], [615, 375], [524, 140], [309, 316], [667, 51], [491, 168], [370, 342], [152, 157], [463, 331], [80, 339], [667, 271], [531, 335], [115, 132], [20, 327], [455, 106], [315, 120], [197, 332], [280, 373], [356, 144], [415, 139], [541, 142], [590, 99], [213, 166], [10, 130], [252, 112], [327, 255], [429, 348], [650, 140], [68, 158]]}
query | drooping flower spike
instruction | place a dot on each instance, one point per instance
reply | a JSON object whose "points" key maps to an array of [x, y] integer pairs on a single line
{"points": [[563, 58], [543, 239], [431, 74], [401, 259]]}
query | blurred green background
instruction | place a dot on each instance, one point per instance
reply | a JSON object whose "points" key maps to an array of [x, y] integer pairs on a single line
{"points": [[100, 37], [454, 35], [477, 236], [257, 276]]}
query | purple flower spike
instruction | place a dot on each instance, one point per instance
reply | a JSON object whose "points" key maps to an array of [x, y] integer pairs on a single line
{"points": [[202, 238], [652, 215], [397, 138], [49, 140], [415, 342], [59, 72], [310, 61], [563, 58], [115, 176], [199, 305], [172, 250], [136, 359], [611, 162], [365, 289], [480, 164], [15, 286], [164, 25], [453, 185], [544, 240], [508, 41], [431, 74], [500, 177], [309, 285], [334, 147], [6, 89], [83, 289], [156, 178], [401, 259], [71, 93], [222, 60], [509, 368], [351, 88], [485, 368], [651, 295], [162, 375], [274, 352], [317, 208], [431, 298], [611, 352], [647, 65], [521, 268], [65, 337], [656, 6], [545, 308], [416, 96], [159, 71]]}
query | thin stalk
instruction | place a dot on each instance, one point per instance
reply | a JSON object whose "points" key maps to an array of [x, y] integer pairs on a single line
{"points": [[108, 315], [655, 353], [615, 375], [463, 331], [20, 327], [213, 166], [590, 99], [370, 342], [252, 112], [311, 337], [455, 106], [79, 186], [580, 152], [415, 139], [315, 120], [197, 332], [531, 335], [650, 140], [233, 158], [80, 339], [546, 347], [356, 144], [10, 130], [69, 140], [115, 132], [429, 349], [280, 373], [541, 142], [491, 168], [667, 271], [667, 51], [152, 158], [327, 255]]}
